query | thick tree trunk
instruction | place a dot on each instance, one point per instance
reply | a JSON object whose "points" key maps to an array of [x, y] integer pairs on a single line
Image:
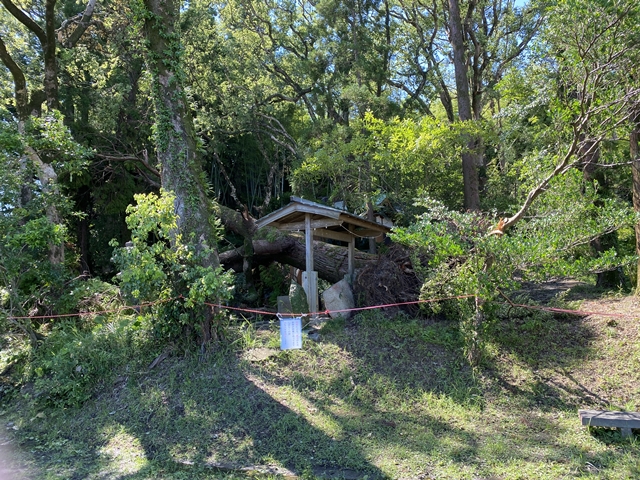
{"points": [[330, 261], [470, 158], [50, 61], [181, 169], [177, 149]]}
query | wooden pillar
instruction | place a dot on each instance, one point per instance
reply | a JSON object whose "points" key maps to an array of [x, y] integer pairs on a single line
{"points": [[308, 241], [310, 278], [352, 258]]}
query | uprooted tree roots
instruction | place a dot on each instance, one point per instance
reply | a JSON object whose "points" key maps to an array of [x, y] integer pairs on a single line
{"points": [[389, 281]]}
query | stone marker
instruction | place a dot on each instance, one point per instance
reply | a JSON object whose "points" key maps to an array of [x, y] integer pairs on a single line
{"points": [[284, 305], [298, 298], [339, 297]]}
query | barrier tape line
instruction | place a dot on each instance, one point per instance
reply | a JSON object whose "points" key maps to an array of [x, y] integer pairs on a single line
{"points": [[582, 313], [327, 312], [100, 312], [247, 310], [357, 309]]}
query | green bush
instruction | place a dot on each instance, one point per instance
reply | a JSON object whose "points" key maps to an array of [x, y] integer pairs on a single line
{"points": [[161, 267], [71, 362], [473, 267]]}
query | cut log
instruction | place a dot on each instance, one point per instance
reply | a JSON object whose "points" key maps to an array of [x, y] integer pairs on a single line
{"points": [[330, 261]]}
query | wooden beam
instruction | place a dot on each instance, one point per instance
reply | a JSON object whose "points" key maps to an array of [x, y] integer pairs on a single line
{"points": [[368, 232], [293, 227], [332, 234], [352, 257], [361, 222]]}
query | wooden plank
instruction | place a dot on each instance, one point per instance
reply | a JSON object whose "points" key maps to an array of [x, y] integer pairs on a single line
{"points": [[292, 227], [277, 215], [310, 285], [606, 418], [361, 222], [352, 257], [332, 234]]}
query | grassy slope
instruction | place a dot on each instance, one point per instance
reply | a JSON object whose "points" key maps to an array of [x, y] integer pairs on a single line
{"points": [[375, 397]]}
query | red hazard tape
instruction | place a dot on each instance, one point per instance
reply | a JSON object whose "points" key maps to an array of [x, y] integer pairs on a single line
{"points": [[327, 312], [580, 313]]}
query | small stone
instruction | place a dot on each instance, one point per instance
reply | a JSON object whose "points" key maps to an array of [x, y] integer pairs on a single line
{"points": [[259, 354], [314, 336]]}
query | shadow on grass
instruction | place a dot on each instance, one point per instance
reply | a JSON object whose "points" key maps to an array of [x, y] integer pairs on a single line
{"points": [[191, 414], [377, 398], [535, 352]]}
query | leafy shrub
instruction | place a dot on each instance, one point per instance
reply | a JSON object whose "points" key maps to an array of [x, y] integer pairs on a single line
{"points": [[89, 295], [473, 267], [32, 216], [72, 362], [161, 267]]}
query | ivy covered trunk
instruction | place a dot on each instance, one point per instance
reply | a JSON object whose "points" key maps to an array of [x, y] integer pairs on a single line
{"points": [[177, 148], [49, 54]]}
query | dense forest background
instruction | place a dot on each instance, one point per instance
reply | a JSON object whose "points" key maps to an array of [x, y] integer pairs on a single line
{"points": [[500, 137]]}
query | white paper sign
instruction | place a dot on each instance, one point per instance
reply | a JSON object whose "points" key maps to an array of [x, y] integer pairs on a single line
{"points": [[290, 333]]}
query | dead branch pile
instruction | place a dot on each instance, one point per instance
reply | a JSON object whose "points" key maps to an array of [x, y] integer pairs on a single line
{"points": [[390, 280]]}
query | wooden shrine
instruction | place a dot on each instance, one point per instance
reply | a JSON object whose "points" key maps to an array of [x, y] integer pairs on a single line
{"points": [[319, 221]]}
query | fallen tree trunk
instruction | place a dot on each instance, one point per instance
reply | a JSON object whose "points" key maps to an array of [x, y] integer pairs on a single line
{"points": [[330, 261]]}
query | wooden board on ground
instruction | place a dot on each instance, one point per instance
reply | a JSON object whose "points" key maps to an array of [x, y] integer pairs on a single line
{"points": [[625, 421]]}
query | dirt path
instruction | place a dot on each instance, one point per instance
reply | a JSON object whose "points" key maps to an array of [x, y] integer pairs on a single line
{"points": [[12, 463], [545, 292]]}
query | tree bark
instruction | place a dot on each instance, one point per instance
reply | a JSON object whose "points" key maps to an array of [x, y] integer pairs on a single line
{"points": [[50, 61], [470, 158], [330, 261], [177, 149], [176, 145]]}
